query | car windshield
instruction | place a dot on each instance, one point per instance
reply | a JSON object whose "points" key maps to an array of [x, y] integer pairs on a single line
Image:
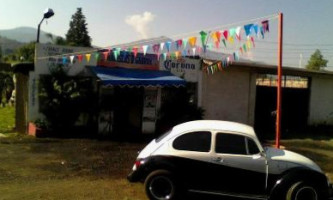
{"points": [[161, 137]]}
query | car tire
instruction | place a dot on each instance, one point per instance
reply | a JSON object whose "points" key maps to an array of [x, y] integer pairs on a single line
{"points": [[302, 191], [161, 185]]}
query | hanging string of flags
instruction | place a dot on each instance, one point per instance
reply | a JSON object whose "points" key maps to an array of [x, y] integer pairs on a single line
{"points": [[189, 46]]}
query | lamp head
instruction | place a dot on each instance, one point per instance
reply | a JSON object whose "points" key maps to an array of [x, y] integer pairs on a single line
{"points": [[48, 13]]}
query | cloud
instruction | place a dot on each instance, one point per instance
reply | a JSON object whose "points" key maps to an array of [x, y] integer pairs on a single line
{"points": [[140, 23]]}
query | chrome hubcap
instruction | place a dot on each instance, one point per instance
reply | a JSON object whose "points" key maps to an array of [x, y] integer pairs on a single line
{"points": [[161, 188]]}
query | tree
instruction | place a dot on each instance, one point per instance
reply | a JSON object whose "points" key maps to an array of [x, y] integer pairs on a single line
{"points": [[316, 61], [63, 98], [26, 52], [77, 34], [58, 40]]}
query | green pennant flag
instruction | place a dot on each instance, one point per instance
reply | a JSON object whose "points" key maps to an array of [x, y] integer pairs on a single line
{"points": [[223, 40], [203, 39]]}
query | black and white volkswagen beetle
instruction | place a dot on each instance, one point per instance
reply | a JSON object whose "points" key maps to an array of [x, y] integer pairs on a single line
{"points": [[225, 158]]}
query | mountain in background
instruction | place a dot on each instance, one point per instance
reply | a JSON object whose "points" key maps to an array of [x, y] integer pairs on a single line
{"points": [[9, 46], [25, 35]]}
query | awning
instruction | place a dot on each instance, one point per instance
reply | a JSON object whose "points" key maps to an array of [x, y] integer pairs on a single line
{"points": [[117, 76]]}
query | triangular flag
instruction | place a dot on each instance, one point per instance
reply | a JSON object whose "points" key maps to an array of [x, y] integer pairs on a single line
{"points": [[231, 39], [179, 44], [162, 46], [156, 48], [184, 53], [244, 47], [115, 54], [226, 34], [262, 32], [88, 55], [106, 53], [241, 50], [193, 51], [168, 45], [158, 56], [192, 41], [265, 25], [64, 60], [71, 59], [177, 53], [232, 32], [144, 48], [247, 29], [248, 44], [225, 44], [164, 56], [238, 33], [252, 40], [80, 57], [135, 51], [209, 46], [199, 50], [97, 56], [184, 43], [203, 35], [255, 28]]}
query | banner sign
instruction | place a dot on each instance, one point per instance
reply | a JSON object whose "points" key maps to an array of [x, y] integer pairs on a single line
{"points": [[185, 68]]}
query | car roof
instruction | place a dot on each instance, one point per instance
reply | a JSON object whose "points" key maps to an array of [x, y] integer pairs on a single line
{"points": [[216, 125]]}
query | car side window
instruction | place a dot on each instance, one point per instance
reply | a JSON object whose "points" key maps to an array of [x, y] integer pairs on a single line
{"points": [[194, 141], [252, 147], [230, 144]]}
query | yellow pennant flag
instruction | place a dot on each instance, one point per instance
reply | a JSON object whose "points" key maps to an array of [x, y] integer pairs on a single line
{"points": [[192, 41], [88, 55], [231, 39]]}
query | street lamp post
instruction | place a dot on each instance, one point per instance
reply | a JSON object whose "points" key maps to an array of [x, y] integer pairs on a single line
{"points": [[47, 14]]}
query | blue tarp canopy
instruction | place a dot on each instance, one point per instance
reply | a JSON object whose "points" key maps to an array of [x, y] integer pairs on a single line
{"points": [[117, 76]]}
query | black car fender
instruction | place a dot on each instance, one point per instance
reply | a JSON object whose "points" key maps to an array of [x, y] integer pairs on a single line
{"points": [[282, 184], [155, 163]]}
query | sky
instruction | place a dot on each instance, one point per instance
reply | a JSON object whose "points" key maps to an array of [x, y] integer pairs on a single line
{"points": [[307, 23]]}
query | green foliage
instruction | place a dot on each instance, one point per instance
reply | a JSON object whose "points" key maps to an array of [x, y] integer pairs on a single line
{"points": [[77, 34], [6, 86], [57, 40], [63, 98], [316, 61], [26, 52]]}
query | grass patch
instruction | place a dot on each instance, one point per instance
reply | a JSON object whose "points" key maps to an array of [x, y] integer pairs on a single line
{"points": [[66, 169], [7, 119]]}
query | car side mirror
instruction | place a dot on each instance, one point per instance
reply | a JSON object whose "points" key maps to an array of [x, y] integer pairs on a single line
{"points": [[259, 155]]}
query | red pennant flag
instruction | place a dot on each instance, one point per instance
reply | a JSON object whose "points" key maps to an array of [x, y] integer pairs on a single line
{"points": [[226, 34], [105, 54], [179, 43], [252, 40], [80, 57], [265, 26], [135, 51], [241, 50], [156, 48]]}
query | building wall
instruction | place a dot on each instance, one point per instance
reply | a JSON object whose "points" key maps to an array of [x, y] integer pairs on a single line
{"points": [[321, 101], [229, 95]]}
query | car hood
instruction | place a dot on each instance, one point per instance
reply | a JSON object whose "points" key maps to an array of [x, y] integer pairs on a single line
{"points": [[291, 157]]}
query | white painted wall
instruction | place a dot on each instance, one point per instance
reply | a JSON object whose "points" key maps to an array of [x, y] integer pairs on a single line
{"points": [[229, 95], [321, 101]]}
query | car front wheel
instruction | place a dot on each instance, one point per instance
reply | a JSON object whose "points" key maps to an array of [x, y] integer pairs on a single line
{"points": [[160, 185], [302, 191]]}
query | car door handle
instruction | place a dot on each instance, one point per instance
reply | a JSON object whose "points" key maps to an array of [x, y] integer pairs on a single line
{"points": [[218, 159]]}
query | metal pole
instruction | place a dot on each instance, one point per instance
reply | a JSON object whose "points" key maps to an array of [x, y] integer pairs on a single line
{"points": [[279, 73], [38, 30]]}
